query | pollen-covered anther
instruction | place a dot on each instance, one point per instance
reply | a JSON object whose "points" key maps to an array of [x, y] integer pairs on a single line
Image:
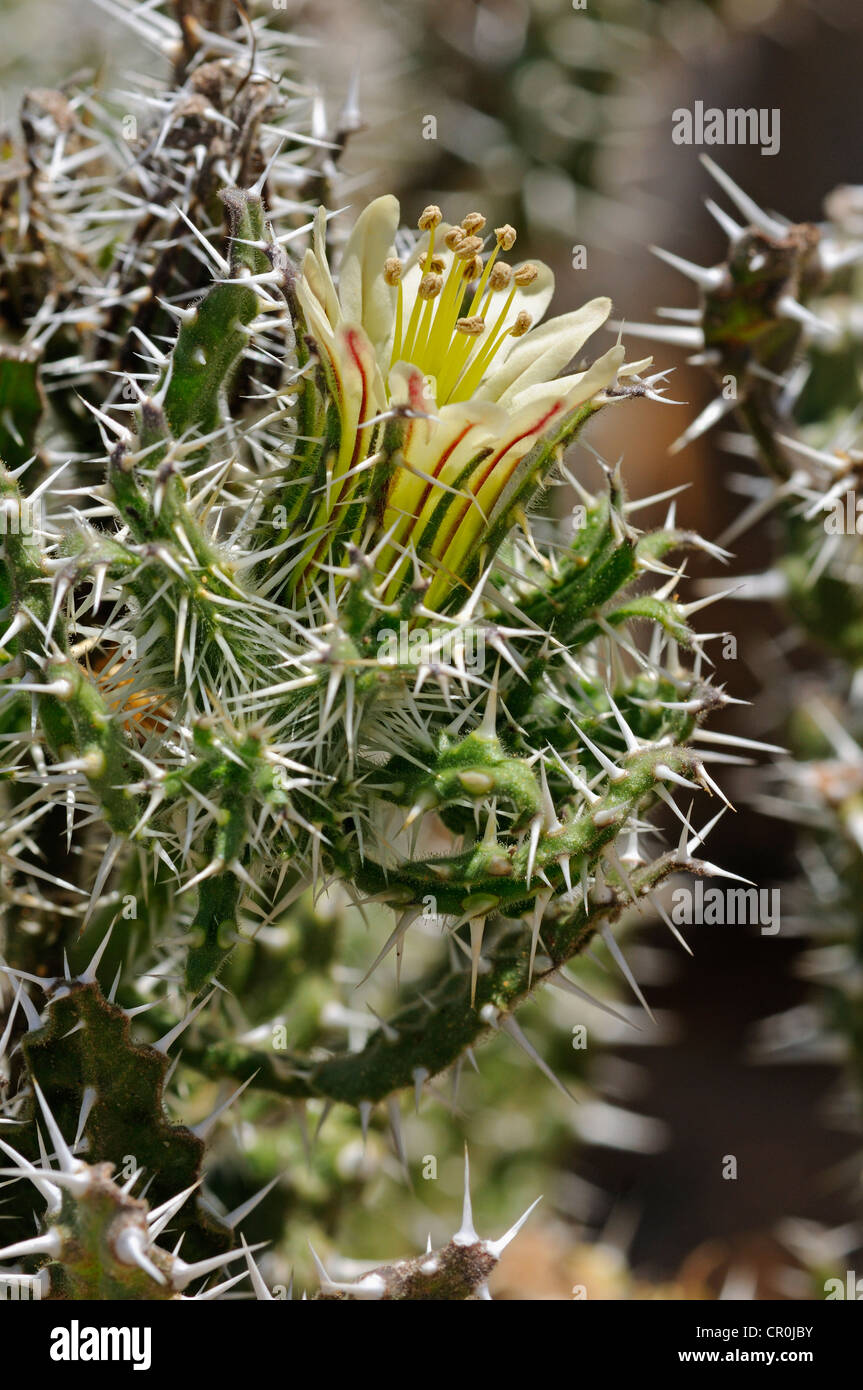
{"points": [[473, 269], [430, 286], [454, 238], [500, 276], [429, 218], [525, 274], [472, 327], [522, 324], [505, 236], [473, 223], [468, 247], [392, 270]]}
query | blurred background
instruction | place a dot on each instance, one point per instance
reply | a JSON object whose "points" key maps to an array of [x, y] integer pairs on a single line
{"points": [[557, 117]]}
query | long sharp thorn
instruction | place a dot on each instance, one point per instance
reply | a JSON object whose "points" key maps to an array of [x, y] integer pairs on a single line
{"points": [[744, 204], [497, 1247], [167, 1041], [159, 1217], [89, 975], [68, 1163], [182, 1274], [477, 928], [205, 1127], [466, 1233], [615, 951], [48, 1190], [240, 1213], [50, 1243], [708, 278], [262, 1293], [510, 1026]]}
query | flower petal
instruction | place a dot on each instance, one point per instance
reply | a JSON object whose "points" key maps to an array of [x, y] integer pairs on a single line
{"points": [[573, 390], [544, 351], [636, 368], [354, 377], [365, 296], [435, 453], [540, 408], [321, 279]]}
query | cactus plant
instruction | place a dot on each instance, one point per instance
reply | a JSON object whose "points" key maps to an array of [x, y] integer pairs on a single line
{"points": [[778, 327], [304, 631]]}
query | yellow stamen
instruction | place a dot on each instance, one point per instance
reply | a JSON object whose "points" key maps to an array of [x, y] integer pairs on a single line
{"points": [[483, 281], [470, 327], [418, 302], [443, 336], [430, 288], [444, 319], [474, 371], [397, 332]]}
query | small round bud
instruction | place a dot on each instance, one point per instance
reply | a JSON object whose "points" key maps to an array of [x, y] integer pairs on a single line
{"points": [[521, 325], [526, 274], [473, 223], [454, 238], [471, 327], [468, 248], [430, 286], [429, 218], [392, 270], [94, 763], [501, 275], [505, 236]]}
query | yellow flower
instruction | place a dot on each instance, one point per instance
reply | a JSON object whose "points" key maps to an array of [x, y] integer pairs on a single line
{"points": [[449, 342]]}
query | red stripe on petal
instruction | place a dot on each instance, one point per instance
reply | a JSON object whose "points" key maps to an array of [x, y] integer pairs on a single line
{"points": [[359, 348], [490, 465], [437, 470]]}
